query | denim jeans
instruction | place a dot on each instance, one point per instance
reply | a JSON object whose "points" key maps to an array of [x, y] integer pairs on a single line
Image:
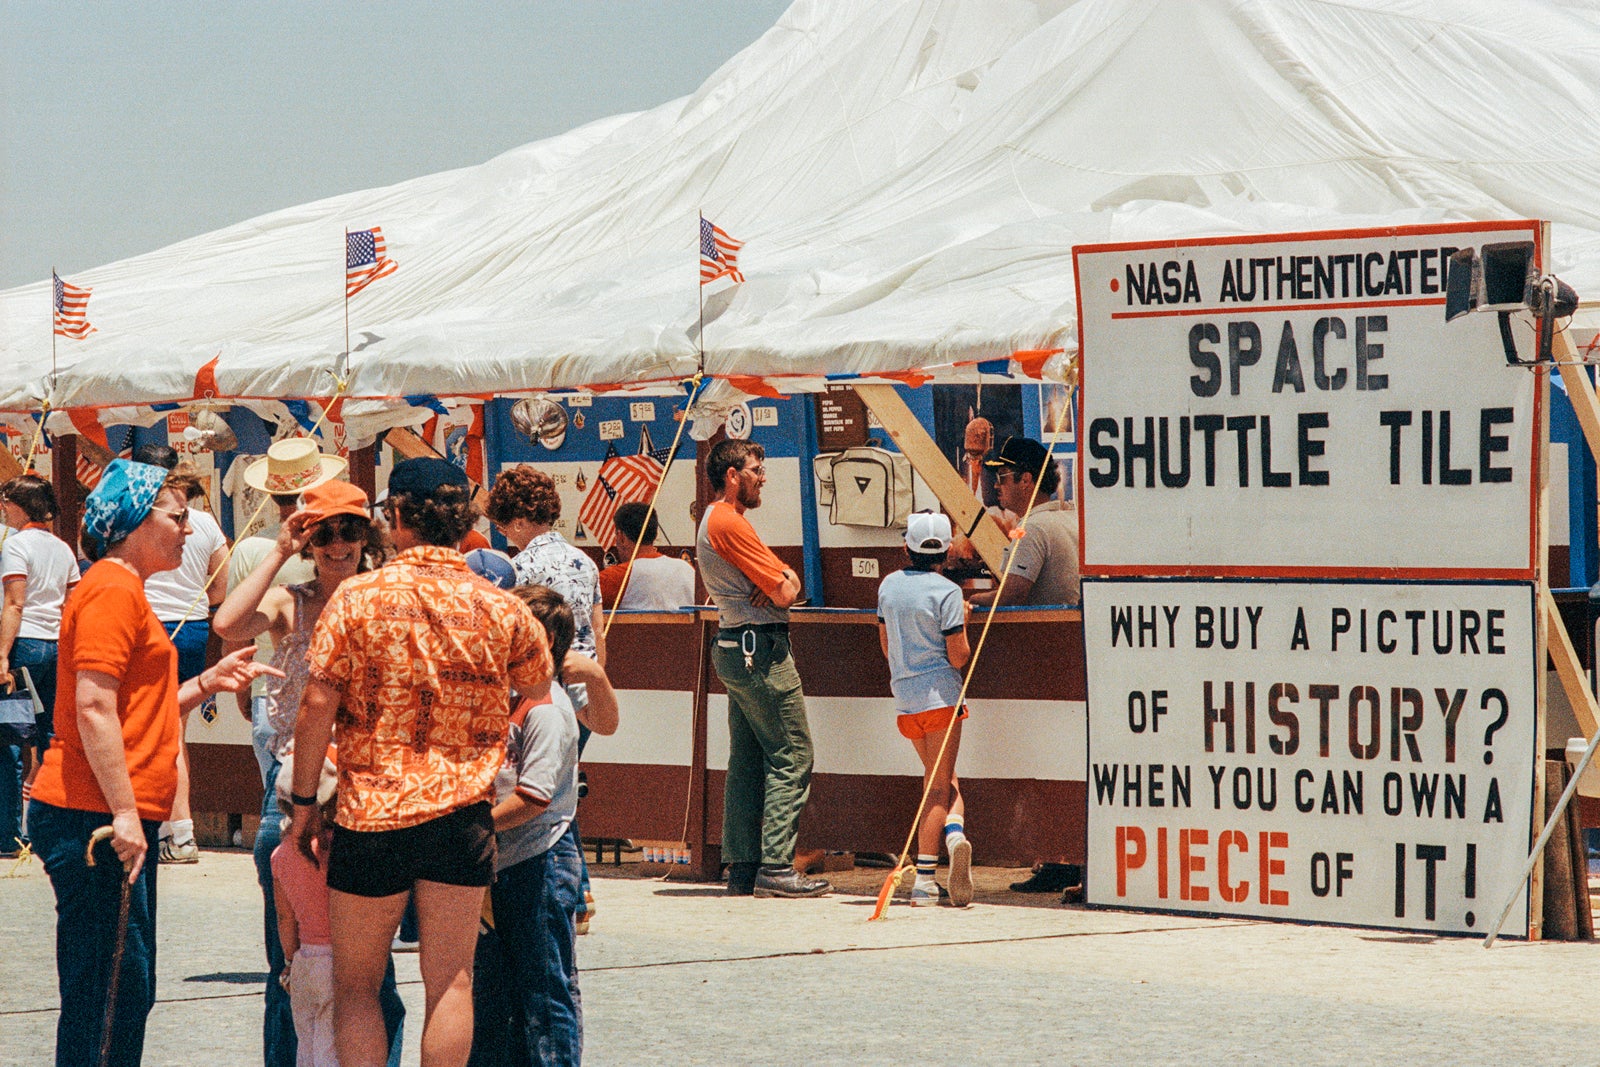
{"points": [[279, 1046], [87, 900], [191, 645], [40, 658], [525, 1000], [262, 736]]}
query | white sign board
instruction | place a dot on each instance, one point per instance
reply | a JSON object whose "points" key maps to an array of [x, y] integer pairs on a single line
{"points": [[1352, 753], [1297, 405]]}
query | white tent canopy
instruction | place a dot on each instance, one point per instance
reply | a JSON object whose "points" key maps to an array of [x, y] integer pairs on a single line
{"points": [[910, 178]]}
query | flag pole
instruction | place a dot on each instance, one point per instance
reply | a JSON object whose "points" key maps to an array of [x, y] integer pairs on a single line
{"points": [[53, 277], [347, 292], [700, 291]]}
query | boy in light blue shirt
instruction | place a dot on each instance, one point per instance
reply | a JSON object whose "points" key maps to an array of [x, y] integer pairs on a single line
{"points": [[922, 630]]}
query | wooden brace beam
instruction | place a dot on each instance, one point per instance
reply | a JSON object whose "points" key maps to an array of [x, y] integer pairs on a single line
{"points": [[1580, 391], [946, 482]]}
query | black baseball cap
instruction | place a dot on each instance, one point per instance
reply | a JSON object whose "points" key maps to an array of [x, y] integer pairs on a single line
{"points": [[1019, 453], [421, 477]]}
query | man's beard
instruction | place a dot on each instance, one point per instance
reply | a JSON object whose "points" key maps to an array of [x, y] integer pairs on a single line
{"points": [[750, 496]]}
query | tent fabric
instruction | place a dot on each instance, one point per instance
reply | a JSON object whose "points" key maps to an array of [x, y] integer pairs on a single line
{"points": [[909, 179]]}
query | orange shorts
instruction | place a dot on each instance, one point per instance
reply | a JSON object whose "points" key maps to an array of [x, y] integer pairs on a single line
{"points": [[917, 725]]}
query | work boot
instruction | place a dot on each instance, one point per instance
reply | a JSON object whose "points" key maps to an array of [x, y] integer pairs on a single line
{"points": [[788, 882], [742, 879]]}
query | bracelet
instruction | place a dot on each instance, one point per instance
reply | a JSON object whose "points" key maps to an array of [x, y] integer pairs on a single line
{"points": [[200, 680], [302, 801]]}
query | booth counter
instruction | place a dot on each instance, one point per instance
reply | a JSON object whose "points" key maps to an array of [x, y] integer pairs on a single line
{"points": [[1022, 759]]}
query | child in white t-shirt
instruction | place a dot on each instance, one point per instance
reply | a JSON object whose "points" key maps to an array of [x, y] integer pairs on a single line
{"points": [[922, 630], [300, 889]]}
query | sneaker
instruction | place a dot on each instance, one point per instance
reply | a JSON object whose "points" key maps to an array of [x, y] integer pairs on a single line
{"points": [[399, 945], [174, 853], [929, 895], [960, 871], [789, 883]]}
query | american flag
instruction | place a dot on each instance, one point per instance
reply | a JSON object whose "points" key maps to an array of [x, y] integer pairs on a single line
{"points": [[719, 254], [71, 305], [621, 479], [364, 261]]}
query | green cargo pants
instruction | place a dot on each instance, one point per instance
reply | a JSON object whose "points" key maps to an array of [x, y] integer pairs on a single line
{"points": [[769, 752]]}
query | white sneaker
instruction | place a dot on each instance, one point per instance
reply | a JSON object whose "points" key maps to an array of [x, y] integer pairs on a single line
{"points": [[960, 870], [925, 894]]}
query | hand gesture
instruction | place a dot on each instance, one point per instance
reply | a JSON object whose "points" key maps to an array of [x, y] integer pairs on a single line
{"points": [[295, 532], [236, 671]]}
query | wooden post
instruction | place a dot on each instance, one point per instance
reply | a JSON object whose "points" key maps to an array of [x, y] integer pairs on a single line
{"points": [[966, 510], [69, 494], [364, 470]]}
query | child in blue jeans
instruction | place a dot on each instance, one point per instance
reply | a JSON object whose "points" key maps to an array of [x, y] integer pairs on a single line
{"points": [[922, 628], [525, 999]]}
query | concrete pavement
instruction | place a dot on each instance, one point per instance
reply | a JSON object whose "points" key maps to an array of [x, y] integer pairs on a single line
{"points": [[677, 971]]}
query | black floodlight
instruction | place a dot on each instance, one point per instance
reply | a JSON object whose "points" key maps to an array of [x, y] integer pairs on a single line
{"points": [[1503, 278]]}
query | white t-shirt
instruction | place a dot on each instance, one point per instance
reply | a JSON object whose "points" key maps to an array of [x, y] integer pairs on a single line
{"points": [[49, 568], [173, 594], [659, 583], [253, 512]]}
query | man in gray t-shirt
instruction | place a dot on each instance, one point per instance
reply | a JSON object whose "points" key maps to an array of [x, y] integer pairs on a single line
{"points": [[1044, 563], [769, 738]]}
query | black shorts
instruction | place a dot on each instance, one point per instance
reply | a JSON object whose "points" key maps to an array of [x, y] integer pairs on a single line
{"points": [[456, 849]]}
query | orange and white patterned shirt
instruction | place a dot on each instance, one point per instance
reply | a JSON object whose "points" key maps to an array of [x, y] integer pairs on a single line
{"points": [[424, 654]]}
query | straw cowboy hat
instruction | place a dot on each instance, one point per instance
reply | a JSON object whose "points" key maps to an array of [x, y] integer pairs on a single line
{"points": [[292, 466]]}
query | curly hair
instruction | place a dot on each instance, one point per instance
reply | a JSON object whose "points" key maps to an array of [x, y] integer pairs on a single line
{"points": [[524, 492], [551, 609], [35, 496], [729, 455], [441, 519]]}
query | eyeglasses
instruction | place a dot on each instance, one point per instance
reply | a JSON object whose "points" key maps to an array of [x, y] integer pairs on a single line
{"points": [[352, 529], [179, 517], [759, 472]]}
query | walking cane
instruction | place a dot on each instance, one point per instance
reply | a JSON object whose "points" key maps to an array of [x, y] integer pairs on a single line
{"points": [[104, 834]]}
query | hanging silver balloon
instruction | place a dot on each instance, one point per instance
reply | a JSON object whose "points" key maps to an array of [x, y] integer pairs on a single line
{"points": [[541, 420]]}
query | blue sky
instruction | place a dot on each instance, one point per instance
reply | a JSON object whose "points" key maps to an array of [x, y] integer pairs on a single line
{"points": [[127, 126]]}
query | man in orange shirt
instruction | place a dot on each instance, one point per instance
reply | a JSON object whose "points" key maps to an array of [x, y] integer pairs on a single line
{"points": [[769, 753], [114, 760]]}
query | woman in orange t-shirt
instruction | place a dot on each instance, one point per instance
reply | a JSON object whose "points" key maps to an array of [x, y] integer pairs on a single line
{"points": [[114, 760]]}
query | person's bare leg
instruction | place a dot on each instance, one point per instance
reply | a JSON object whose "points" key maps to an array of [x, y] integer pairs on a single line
{"points": [[943, 791], [180, 802], [447, 923], [363, 928]]}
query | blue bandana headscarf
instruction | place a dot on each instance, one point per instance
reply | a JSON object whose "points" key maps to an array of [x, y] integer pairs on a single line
{"points": [[121, 501]]}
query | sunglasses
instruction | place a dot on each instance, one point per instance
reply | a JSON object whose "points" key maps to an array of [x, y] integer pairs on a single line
{"points": [[351, 529], [179, 517]]}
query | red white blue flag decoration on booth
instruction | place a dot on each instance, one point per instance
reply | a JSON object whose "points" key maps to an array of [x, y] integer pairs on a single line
{"points": [[621, 479]]}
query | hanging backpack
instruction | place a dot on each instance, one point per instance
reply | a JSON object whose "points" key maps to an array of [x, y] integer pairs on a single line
{"points": [[864, 486]]}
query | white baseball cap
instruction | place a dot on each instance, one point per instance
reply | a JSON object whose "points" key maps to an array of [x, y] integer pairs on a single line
{"points": [[928, 532]]}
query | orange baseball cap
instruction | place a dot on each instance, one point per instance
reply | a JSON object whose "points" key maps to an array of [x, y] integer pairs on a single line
{"points": [[334, 498]]}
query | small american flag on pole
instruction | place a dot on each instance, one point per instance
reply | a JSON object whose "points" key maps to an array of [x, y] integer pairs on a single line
{"points": [[71, 305], [719, 254], [364, 260], [621, 479]]}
